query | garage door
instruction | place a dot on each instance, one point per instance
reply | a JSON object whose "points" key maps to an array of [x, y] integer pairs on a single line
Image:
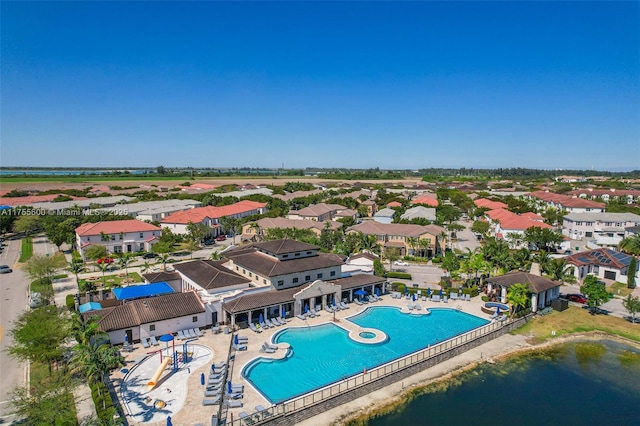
{"points": [[610, 275]]}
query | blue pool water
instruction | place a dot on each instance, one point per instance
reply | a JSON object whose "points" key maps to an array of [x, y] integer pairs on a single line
{"points": [[325, 354]]}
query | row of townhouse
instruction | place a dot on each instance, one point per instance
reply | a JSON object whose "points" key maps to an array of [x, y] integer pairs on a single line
{"points": [[602, 229], [565, 202], [255, 231], [118, 236], [400, 236], [629, 196], [322, 212], [512, 226], [211, 216]]}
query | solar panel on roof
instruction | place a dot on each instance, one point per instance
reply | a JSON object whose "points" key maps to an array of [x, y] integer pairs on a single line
{"points": [[583, 259]]}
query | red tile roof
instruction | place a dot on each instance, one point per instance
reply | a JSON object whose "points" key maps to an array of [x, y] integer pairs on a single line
{"points": [[394, 204], [509, 220], [565, 200], [32, 199], [198, 214], [426, 199], [484, 203], [115, 227]]}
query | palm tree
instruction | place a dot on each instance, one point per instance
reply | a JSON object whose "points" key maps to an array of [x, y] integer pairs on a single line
{"points": [[124, 261], [518, 297], [413, 243], [522, 259], [163, 258], [145, 266], [557, 269], [369, 243], [631, 245], [255, 227], [103, 268], [95, 360], [543, 259], [443, 237], [76, 267], [215, 255]]}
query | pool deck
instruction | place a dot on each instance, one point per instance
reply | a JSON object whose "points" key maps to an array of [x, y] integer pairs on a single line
{"points": [[191, 411]]}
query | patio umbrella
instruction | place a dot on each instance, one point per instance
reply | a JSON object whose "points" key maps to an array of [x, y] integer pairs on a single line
{"points": [[460, 289], [429, 292], [413, 297], [378, 292], [306, 308], [360, 292], [202, 379], [169, 421], [440, 292], [261, 319], [166, 338], [229, 386], [235, 339], [284, 312], [126, 339]]}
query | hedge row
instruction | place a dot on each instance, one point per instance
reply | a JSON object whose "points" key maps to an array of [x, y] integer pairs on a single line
{"points": [[400, 275], [402, 287], [107, 412]]}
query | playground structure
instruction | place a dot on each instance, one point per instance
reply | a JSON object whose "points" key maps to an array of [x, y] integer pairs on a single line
{"points": [[176, 356], [146, 404]]}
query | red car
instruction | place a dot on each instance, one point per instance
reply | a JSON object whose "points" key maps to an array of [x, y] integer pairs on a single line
{"points": [[578, 298], [106, 260], [221, 237]]}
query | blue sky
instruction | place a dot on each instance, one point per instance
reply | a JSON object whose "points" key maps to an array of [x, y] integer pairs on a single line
{"points": [[325, 84]]}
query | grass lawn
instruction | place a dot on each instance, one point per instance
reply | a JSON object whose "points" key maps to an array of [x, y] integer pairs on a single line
{"points": [[576, 320], [60, 260], [117, 280], [624, 290], [39, 375], [26, 250]]}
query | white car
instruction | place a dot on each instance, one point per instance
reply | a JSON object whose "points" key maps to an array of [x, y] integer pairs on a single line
{"points": [[400, 263]]}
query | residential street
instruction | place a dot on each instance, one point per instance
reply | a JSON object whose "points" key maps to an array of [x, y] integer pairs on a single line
{"points": [[13, 301]]}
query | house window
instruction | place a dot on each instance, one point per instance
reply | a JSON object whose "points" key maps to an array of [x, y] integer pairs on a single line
{"points": [[141, 235], [297, 254], [295, 280], [319, 276], [237, 268], [194, 319], [307, 278], [333, 273], [250, 275], [264, 281], [120, 237], [152, 327], [280, 283], [113, 238], [117, 249], [284, 256], [308, 252], [244, 271]]}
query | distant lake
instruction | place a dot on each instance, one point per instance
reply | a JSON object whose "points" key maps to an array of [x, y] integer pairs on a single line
{"points": [[594, 382], [62, 172]]}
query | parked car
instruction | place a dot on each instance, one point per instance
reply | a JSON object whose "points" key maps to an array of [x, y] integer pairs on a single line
{"points": [[149, 256], [578, 298], [400, 263], [106, 260], [221, 237], [4, 269], [209, 242]]}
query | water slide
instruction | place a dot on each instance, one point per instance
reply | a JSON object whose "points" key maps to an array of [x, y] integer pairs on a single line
{"points": [[154, 379]]}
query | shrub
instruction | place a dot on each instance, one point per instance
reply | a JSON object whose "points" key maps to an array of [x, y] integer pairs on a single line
{"points": [[398, 286], [70, 302], [401, 275], [437, 259], [485, 299]]}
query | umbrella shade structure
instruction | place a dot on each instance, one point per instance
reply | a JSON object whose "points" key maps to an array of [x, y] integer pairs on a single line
{"points": [[261, 319], [440, 292], [284, 312], [235, 339], [360, 292], [229, 389], [378, 292], [202, 379], [166, 338], [460, 289], [306, 308], [169, 423], [126, 339], [413, 297], [429, 292]]}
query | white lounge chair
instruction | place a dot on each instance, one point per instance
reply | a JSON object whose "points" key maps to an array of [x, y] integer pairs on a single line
{"points": [[344, 305], [445, 299], [241, 338], [410, 306], [435, 298], [281, 320], [153, 341], [357, 302], [453, 296], [210, 393], [144, 342], [467, 297], [199, 332], [269, 323], [218, 365], [240, 347], [264, 325], [270, 346], [211, 401], [302, 317], [254, 329], [328, 309], [417, 307], [233, 404], [267, 350]]}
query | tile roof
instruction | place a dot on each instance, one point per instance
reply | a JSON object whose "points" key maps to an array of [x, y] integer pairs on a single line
{"points": [[534, 282], [426, 199], [115, 227], [33, 199], [485, 203], [394, 204], [275, 297], [152, 309], [603, 217], [281, 222], [509, 220], [428, 213], [386, 212], [198, 214], [210, 274], [284, 246], [565, 200], [157, 277], [370, 227], [270, 266], [319, 209]]}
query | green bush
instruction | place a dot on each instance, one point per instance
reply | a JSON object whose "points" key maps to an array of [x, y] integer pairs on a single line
{"points": [[70, 302], [398, 286], [401, 275], [437, 259], [485, 298]]}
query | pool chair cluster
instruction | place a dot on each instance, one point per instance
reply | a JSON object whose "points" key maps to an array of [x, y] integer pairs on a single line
{"points": [[260, 415], [266, 324], [369, 299], [268, 348], [221, 391]]}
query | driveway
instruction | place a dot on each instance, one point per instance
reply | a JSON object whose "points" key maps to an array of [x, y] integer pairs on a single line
{"points": [[466, 239], [423, 275]]}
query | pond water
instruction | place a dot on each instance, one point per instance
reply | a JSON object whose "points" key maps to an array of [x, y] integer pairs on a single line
{"points": [[595, 382]]}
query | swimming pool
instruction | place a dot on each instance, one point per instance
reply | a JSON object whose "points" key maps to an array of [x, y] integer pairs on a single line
{"points": [[325, 354]]}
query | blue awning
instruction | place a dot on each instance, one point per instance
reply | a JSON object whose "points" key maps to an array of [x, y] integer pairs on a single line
{"points": [[91, 306], [138, 291]]}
